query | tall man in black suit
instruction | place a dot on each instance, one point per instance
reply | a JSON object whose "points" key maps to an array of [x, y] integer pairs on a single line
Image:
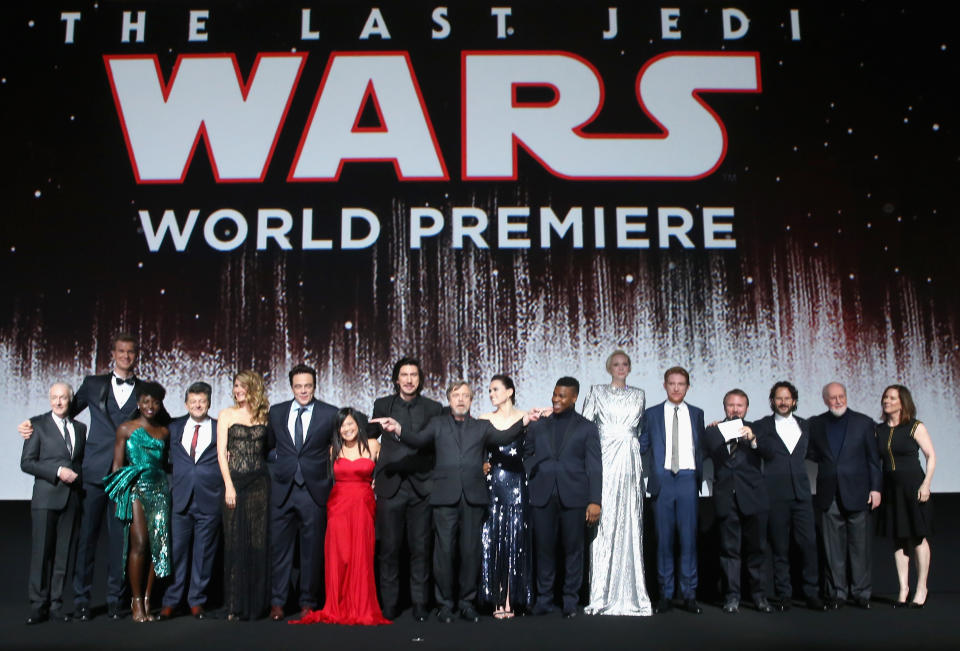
{"points": [[197, 491], [111, 400], [299, 432], [562, 461], [673, 430], [459, 496], [54, 456], [740, 496], [788, 486], [849, 481], [402, 485]]}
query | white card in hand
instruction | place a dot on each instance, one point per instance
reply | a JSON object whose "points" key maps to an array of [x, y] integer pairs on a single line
{"points": [[730, 429]]}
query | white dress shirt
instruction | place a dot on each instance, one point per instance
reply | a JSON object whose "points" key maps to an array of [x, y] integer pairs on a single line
{"points": [[789, 430], [204, 436], [687, 458], [292, 420], [121, 392]]}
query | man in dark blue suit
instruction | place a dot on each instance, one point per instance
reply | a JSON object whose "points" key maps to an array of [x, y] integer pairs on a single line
{"points": [[197, 491], [673, 430], [788, 486], [849, 481], [111, 399], [562, 461], [299, 433]]}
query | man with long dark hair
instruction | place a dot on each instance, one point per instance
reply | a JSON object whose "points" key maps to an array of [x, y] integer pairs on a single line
{"points": [[402, 484]]}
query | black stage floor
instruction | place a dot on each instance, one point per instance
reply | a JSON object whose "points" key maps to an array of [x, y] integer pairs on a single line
{"points": [[881, 627]]}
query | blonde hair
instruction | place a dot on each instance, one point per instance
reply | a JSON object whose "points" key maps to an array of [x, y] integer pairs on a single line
{"points": [[616, 353], [257, 403]]}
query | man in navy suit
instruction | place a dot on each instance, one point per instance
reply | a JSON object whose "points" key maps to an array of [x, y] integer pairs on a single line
{"points": [[111, 399], [673, 430], [564, 473], [299, 433], [740, 497], [53, 455], [791, 511], [197, 491], [849, 481]]}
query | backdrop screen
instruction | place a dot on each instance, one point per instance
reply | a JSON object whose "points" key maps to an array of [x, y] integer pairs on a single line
{"points": [[756, 191]]}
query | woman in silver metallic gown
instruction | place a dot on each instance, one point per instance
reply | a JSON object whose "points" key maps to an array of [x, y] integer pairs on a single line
{"points": [[617, 585]]}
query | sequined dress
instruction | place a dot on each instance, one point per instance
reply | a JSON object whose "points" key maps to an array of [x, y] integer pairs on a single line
{"points": [[507, 544], [617, 585], [246, 571], [144, 480]]}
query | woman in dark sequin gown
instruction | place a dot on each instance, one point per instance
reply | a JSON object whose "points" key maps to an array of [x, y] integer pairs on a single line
{"points": [[905, 511], [138, 486], [505, 579], [241, 450]]}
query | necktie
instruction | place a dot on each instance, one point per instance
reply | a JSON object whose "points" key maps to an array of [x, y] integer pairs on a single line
{"points": [[298, 429], [66, 437], [675, 443], [193, 443]]}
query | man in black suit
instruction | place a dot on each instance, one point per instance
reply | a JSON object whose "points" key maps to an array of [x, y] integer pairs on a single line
{"points": [[788, 486], [562, 460], [459, 495], [54, 456], [740, 497], [849, 481], [402, 484], [299, 433], [111, 399], [197, 492]]}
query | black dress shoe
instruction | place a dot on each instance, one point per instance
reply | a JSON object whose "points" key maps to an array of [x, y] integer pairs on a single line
{"points": [[113, 611], [470, 614], [782, 605], [36, 617], [691, 606], [198, 612], [59, 616], [731, 606], [390, 613], [542, 608], [663, 606], [569, 614], [762, 605], [835, 604], [862, 602], [445, 615], [83, 614], [420, 613], [816, 603]]}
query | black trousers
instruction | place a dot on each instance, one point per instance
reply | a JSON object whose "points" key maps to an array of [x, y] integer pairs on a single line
{"points": [[458, 530], [406, 513], [299, 516], [54, 537], [551, 522], [95, 505], [748, 532], [793, 520]]}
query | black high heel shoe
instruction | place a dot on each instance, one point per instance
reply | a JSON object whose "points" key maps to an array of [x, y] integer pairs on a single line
{"points": [[900, 604]]}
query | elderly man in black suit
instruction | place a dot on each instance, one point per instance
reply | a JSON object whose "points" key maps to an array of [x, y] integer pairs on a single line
{"points": [[54, 456], [197, 492], [402, 484], [111, 400], [562, 461], [299, 433], [849, 481], [740, 497], [788, 486], [459, 496]]}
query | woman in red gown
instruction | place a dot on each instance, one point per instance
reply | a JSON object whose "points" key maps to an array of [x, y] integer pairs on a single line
{"points": [[349, 544]]}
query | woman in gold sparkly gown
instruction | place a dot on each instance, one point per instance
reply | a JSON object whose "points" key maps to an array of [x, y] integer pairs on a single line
{"points": [[138, 486]]}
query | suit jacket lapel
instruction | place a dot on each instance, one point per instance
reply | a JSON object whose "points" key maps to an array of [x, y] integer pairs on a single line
{"points": [[102, 398]]}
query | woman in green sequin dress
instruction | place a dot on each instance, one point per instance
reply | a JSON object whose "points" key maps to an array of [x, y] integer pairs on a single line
{"points": [[138, 486]]}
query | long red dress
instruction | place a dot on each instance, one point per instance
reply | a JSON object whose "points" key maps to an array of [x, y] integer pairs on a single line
{"points": [[349, 549]]}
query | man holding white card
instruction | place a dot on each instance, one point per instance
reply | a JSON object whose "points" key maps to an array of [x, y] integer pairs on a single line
{"points": [[740, 497]]}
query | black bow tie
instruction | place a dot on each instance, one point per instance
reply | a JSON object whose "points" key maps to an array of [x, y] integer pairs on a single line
{"points": [[120, 380]]}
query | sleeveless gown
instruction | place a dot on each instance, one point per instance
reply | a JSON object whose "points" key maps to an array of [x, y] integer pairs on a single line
{"points": [[507, 546], [145, 481], [902, 514], [351, 593], [245, 542], [617, 584]]}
